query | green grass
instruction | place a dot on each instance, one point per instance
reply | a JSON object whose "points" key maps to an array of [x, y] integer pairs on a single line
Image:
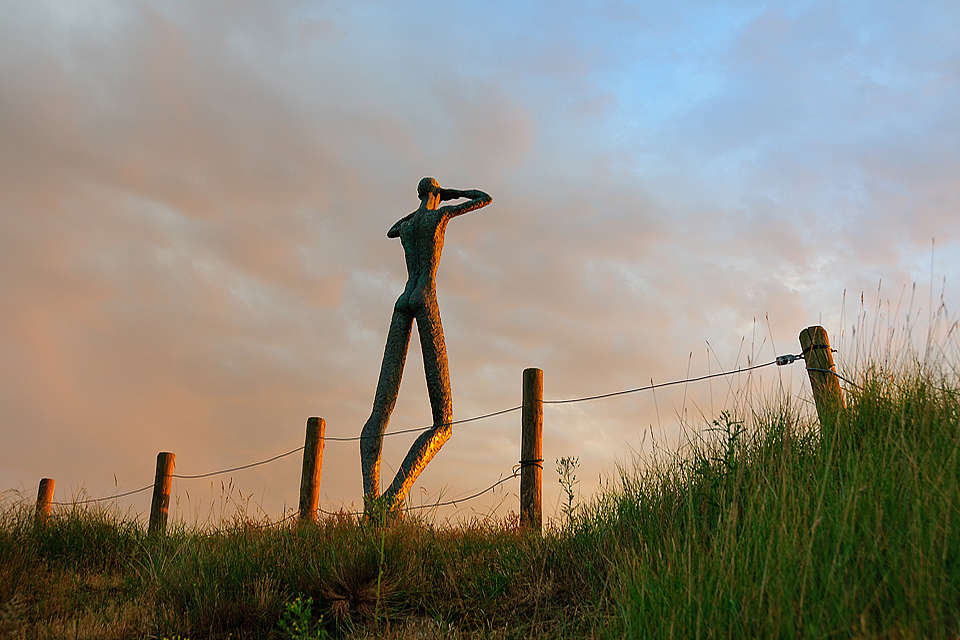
{"points": [[775, 535], [757, 528]]}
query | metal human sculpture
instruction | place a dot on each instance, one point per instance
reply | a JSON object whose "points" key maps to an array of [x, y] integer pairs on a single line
{"points": [[421, 234]]}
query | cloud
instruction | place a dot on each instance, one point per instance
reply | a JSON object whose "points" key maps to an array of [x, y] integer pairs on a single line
{"points": [[488, 125]]}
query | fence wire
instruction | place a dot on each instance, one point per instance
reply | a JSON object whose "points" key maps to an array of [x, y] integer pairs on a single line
{"points": [[240, 468], [651, 387], [103, 499]]}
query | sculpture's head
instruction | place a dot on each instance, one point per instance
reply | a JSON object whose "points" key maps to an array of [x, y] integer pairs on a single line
{"points": [[427, 186]]}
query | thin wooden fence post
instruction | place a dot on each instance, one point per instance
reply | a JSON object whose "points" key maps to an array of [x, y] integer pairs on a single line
{"points": [[312, 466], [531, 451], [161, 492], [45, 498], [823, 377]]}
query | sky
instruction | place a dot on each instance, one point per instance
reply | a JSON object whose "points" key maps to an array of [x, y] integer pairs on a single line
{"points": [[194, 199]]}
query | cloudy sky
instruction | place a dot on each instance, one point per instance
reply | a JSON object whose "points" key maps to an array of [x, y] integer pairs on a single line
{"points": [[194, 199]]}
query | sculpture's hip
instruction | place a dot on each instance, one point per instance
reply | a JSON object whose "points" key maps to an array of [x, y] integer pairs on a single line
{"points": [[417, 302]]}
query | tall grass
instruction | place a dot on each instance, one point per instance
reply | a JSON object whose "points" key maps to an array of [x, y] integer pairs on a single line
{"points": [[757, 528], [770, 532]]}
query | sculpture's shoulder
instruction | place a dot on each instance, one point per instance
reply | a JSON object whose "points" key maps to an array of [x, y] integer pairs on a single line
{"points": [[428, 220]]}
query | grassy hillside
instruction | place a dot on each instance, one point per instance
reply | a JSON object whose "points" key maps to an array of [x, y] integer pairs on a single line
{"points": [[757, 528]]}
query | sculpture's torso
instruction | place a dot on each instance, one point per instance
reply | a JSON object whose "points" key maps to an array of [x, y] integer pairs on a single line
{"points": [[422, 240]]}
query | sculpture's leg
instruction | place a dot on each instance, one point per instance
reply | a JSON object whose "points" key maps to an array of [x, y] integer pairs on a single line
{"points": [[438, 386], [388, 387]]}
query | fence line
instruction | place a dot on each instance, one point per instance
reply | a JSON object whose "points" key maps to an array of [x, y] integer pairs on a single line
{"points": [[779, 361]]}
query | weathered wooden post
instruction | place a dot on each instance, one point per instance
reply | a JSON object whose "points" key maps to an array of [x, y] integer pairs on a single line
{"points": [[161, 492], [45, 498], [823, 377], [312, 465], [531, 451]]}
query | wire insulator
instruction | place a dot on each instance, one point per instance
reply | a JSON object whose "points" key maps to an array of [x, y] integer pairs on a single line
{"points": [[787, 359]]}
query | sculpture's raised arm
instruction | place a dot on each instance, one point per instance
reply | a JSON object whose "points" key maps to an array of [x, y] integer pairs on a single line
{"points": [[476, 200]]}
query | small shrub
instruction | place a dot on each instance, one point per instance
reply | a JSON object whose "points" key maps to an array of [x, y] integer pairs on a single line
{"points": [[297, 623], [567, 470]]}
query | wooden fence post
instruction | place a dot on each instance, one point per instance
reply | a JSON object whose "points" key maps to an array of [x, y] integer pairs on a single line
{"points": [[161, 493], [823, 378], [312, 466], [45, 498], [531, 451]]}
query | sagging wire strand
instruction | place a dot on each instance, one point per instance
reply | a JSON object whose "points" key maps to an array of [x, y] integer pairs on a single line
{"points": [[453, 502], [420, 429], [240, 468], [103, 499], [652, 387]]}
